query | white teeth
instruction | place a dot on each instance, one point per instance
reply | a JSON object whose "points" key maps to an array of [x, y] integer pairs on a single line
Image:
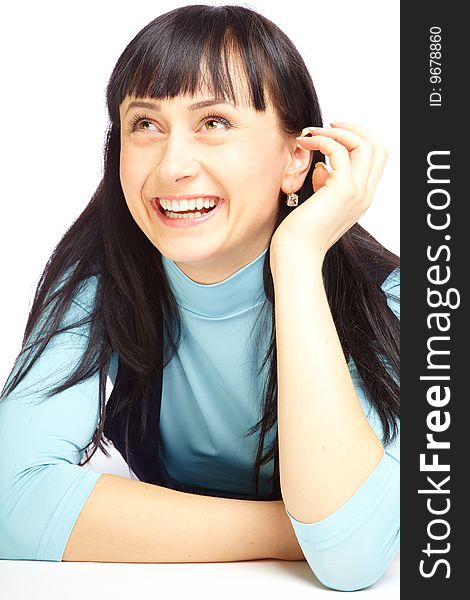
{"points": [[181, 205], [172, 215]]}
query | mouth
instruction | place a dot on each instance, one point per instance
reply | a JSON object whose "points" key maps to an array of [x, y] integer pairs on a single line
{"points": [[190, 206], [190, 210]]}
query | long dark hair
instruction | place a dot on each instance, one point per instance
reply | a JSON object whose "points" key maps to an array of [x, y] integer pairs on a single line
{"points": [[133, 303]]}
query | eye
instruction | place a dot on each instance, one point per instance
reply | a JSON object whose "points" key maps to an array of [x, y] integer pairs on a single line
{"points": [[143, 124], [212, 118], [140, 122]]}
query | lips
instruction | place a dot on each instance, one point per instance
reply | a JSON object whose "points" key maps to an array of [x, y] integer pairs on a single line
{"points": [[189, 221], [189, 197]]}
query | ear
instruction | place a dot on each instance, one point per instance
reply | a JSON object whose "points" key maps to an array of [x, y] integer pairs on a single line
{"points": [[297, 167]]}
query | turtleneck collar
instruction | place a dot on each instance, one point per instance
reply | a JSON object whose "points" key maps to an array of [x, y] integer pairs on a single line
{"points": [[240, 291]]}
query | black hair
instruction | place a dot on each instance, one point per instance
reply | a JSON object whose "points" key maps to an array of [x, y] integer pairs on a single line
{"points": [[177, 53]]}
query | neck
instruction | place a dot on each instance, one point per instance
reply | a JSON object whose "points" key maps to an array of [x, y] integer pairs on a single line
{"points": [[240, 291], [219, 268]]}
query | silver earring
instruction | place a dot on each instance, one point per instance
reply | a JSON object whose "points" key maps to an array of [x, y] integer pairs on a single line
{"points": [[292, 199]]}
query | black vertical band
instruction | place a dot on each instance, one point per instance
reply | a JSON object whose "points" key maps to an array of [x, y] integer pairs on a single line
{"points": [[435, 159]]}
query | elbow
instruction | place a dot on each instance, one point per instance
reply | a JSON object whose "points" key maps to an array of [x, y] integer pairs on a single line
{"points": [[15, 530], [353, 548], [14, 539], [13, 546], [16, 535], [38, 509], [348, 571], [21, 518], [350, 577]]}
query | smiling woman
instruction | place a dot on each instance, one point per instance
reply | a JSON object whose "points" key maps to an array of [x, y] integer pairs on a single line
{"points": [[248, 324], [180, 145], [200, 149]]}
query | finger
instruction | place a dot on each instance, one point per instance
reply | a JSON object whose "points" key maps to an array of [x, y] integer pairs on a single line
{"points": [[337, 154], [361, 153], [320, 175], [350, 139], [362, 131], [380, 151]]}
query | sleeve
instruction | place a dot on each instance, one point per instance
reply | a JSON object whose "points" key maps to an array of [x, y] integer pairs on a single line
{"points": [[353, 547], [42, 488]]}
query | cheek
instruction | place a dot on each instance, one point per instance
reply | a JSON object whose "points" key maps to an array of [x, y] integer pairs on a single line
{"points": [[245, 167], [131, 172], [259, 176], [262, 160]]}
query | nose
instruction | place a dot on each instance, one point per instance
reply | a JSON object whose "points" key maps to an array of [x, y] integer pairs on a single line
{"points": [[177, 160]]}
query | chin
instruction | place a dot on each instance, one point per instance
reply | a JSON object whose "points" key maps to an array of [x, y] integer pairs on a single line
{"points": [[187, 255]]}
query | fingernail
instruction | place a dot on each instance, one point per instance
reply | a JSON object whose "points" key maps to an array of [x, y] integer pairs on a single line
{"points": [[320, 164], [306, 130]]}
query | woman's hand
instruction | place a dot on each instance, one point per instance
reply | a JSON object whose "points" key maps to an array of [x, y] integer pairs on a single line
{"points": [[341, 196]]}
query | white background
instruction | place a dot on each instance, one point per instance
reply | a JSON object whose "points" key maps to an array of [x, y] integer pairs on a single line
{"points": [[56, 58]]}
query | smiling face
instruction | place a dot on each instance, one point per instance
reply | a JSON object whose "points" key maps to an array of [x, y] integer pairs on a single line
{"points": [[177, 148]]}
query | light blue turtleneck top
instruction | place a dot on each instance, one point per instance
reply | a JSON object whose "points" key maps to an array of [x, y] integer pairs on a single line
{"points": [[211, 396]]}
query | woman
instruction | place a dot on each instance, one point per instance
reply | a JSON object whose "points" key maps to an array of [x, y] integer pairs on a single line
{"points": [[220, 278]]}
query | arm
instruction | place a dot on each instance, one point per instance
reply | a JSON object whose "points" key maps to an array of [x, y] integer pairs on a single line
{"points": [[52, 509], [327, 448], [115, 519], [132, 521], [332, 463], [351, 543]]}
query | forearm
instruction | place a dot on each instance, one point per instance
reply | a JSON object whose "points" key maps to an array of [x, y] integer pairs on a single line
{"points": [[327, 448], [125, 520]]}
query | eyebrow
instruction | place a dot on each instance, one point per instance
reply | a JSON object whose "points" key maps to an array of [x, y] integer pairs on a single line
{"points": [[195, 106]]}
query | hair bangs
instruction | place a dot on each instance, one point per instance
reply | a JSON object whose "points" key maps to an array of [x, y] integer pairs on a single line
{"points": [[184, 57]]}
